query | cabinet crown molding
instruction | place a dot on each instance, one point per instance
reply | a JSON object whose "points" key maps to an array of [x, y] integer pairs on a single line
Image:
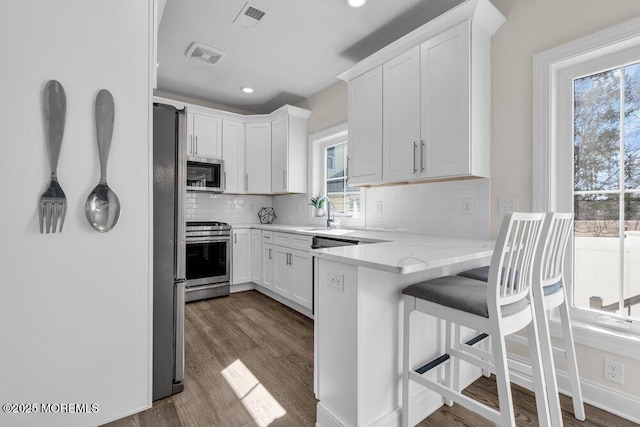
{"points": [[482, 12], [244, 118]]}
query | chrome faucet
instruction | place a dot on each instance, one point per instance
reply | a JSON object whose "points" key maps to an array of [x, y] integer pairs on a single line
{"points": [[330, 221]]}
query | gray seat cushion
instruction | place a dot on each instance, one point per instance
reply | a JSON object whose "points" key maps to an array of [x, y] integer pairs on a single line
{"points": [[460, 293], [482, 274]]}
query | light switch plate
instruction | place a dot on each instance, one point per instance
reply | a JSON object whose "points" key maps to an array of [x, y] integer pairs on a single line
{"points": [[336, 281], [508, 204]]}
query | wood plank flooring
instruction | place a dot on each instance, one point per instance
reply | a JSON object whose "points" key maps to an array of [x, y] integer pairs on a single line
{"points": [[246, 351]]}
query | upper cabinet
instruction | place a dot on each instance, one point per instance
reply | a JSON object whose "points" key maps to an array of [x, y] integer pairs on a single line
{"points": [[204, 135], [365, 128], [262, 154], [258, 158], [449, 147], [401, 117], [434, 94], [289, 136], [233, 147]]}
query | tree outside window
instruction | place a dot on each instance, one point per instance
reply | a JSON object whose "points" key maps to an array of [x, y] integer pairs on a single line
{"points": [[606, 189], [346, 199]]}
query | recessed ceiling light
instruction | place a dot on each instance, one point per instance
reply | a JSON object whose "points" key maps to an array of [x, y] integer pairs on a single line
{"points": [[246, 89], [355, 3]]}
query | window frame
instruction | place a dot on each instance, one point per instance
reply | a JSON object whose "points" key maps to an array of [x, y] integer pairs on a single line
{"points": [[345, 178], [554, 71], [318, 143]]}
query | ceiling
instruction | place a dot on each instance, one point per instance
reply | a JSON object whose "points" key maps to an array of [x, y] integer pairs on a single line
{"points": [[296, 49]]}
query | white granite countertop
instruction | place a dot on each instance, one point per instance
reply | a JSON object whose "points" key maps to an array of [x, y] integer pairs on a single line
{"points": [[392, 251]]}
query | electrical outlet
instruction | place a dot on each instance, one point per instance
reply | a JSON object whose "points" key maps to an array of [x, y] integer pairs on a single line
{"points": [[336, 281], [379, 206], [508, 204], [467, 206], [613, 371]]}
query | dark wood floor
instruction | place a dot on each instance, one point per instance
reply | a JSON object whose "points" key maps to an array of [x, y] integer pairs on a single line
{"points": [[250, 358]]}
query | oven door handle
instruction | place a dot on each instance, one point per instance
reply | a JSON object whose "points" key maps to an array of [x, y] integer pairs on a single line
{"points": [[208, 239]]}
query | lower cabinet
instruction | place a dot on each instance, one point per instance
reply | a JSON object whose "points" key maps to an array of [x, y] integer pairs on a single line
{"points": [[293, 275], [302, 268], [256, 257], [268, 266], [241, 267], [286, 266]]}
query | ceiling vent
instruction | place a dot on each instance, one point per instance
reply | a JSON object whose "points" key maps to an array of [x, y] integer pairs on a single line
{"points": [[249, 16], [204, 53]]}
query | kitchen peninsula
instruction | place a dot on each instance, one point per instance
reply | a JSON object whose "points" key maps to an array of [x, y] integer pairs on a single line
{"points": [[358, 322]]}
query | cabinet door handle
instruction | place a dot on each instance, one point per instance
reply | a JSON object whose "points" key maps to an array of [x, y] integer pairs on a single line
{"points": [[196, 144], [291, 259], [235, 238], [224, 185], [190, 144], [284, 180], [269, 253], [415, 148], [246, 182], [422, 156]]}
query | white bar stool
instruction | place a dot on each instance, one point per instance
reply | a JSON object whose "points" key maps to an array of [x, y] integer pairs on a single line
{"points": [[497, 308], [548, 293]]}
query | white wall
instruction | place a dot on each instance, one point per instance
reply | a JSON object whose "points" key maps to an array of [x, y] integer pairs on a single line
{"points": [[75, 306], [532, 27]]}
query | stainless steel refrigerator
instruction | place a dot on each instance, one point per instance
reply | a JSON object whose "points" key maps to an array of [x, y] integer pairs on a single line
{"points": [[169, 276]]}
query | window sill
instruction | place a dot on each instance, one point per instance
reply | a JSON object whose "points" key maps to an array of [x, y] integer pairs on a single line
{"points": [[592, 335]]}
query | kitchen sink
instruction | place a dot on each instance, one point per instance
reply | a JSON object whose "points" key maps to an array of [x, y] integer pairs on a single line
{"points": [[330, 231]]}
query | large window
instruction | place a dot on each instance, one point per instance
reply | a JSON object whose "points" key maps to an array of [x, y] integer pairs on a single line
{"points": [[606, 190], [587, 160], [345, 199]]}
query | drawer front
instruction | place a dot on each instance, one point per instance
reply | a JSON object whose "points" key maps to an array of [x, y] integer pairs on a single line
{"points": [[282, 239], [267, 236], [301, 242], [293, 241]]}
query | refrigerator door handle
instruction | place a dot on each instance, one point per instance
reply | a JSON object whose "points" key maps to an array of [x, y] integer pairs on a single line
{"points": [[181, 178], [179, 333]]}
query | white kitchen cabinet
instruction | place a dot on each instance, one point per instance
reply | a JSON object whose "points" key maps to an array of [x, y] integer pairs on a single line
{"points": [[302, 272], [204, 135], [256, 257], [433, 90], [401, 144], [293, 268], [283, 275], [268, 266], [449, 86], [257, 179], [241, 268], [289, 134], [233, 147], [365, 128]]}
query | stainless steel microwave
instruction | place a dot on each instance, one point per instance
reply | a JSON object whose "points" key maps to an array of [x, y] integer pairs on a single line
{"points": [[205, 174]]}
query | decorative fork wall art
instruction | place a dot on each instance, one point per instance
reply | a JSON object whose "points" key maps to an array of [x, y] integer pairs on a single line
{"points": [[53, 202]]}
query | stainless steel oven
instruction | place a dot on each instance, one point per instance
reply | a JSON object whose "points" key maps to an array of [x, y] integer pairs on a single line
{"points": [[208, 260]]}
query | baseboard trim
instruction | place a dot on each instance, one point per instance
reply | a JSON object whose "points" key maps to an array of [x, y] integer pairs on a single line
{"points": [[595, 394], [324, 418], [242, 287], [282, 300]]}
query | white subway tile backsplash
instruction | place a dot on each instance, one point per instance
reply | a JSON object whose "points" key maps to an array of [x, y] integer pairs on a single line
{"points": [[234, 209], [432, 208]]}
